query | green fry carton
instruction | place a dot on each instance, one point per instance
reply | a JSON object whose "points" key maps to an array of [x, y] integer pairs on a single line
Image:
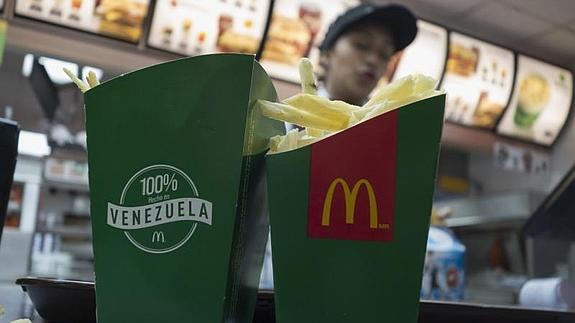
{"points": [[350, 216], [176, 157]]}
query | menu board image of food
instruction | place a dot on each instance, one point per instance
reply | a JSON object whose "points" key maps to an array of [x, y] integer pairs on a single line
{"points": [[193, 27], [120, 19], [478, 79], [540, 104], [296, 30]]}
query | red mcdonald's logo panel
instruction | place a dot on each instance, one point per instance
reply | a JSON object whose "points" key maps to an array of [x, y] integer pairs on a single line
{"points": [[352, 182]]}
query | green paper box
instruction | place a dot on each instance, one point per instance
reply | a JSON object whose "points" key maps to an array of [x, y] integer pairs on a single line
{"points": [[350, 216], [176, 165]]}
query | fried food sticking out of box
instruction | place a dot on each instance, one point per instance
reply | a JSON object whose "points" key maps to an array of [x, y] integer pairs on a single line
{"points": [[321, 117], [91, 80]]}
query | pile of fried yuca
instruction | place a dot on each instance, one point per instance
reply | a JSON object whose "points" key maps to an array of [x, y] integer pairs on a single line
{"points": [[320, 117]]}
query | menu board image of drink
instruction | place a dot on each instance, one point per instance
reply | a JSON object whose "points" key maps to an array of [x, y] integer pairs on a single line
{"points": [[478, 80], [540, 104], [193, 27], [120, 19], [296, 30]]}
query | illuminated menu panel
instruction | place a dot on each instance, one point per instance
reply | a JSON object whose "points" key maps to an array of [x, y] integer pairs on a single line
{"points": [[193, 27], [425, 55], [297, 28], [116, 18], [478, 80], [541, 101]]}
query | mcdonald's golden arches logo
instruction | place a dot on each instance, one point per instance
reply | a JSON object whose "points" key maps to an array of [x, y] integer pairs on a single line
{"points": [[352, 212], [350, 199]]}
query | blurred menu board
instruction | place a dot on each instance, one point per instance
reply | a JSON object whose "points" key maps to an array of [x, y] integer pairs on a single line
{"points": [[116, 18], [478, 80], [193, 27], [425, 55], [540, 104], [297, 28], [1, 5]]}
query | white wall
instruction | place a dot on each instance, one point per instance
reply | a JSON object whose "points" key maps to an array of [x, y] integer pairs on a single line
{"points": [[482, 170]]}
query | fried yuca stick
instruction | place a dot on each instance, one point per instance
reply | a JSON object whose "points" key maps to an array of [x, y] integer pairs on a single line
{"points": [[306, 76], [330, 121], [83, 86], [318, 103], [402, 88], [334, 111], [308, 86], [309, 110], [92, 79]]}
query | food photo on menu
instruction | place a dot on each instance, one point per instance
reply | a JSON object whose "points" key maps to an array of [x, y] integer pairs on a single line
{"points": [[540, 104], [292, 37], [242, 32], [120, 19], [295, 31], [478, 79], [462, 60], [193, 27], [288, 40], [230, 40], [241, 29]]}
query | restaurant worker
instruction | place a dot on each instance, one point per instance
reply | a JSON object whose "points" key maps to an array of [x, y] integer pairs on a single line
{"points": [[358, 47]]}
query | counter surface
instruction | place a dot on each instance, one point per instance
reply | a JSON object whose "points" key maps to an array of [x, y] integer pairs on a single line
{"points": [[18, 306]]}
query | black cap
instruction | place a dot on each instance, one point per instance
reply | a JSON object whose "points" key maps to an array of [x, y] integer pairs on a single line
{"points": [[400, 22]]}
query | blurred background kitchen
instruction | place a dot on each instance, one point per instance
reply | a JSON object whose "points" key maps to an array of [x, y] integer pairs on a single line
{"points": [[501, 219]]}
